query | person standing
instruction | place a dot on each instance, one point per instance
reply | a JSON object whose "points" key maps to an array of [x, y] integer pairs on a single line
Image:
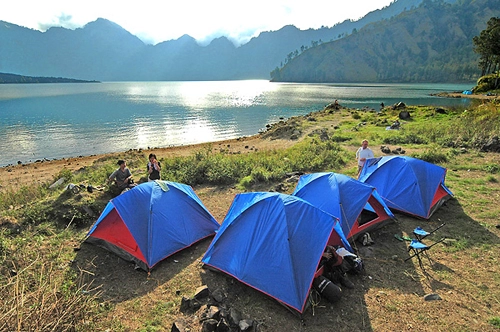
{"points": [[122, 176], [154, 168], [363, 153]]}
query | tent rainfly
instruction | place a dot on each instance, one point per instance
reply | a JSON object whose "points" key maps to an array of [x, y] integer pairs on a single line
{"points": [[151, 222], [274, 242], [408, 185], [358, 205]]}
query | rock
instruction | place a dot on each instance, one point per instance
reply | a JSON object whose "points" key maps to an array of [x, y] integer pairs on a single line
{"points": [[201, 292], [57, 183], [404, 115], [219, 295], [210, 325], [185, 304], [246, 325], [223, 326], [234, 317], [493, 145], [179, 326], [213, 312], [385, 149], [432, 297], [399, 105]]}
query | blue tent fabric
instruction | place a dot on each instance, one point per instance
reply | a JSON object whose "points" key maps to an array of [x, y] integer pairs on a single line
{"points": [[406, 184], [340, 196], [273, 242], [161, 222]]}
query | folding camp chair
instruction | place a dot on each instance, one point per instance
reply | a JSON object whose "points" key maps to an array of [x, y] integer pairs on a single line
{"points": [[421, 234], [418, 248]]}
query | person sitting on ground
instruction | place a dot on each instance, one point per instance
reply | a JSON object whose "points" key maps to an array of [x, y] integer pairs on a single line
{"points": [[395, 124], [122, 176], [153, 168], [335, 268]]}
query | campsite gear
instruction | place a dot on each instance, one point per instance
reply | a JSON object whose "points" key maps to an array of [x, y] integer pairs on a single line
{"points": [[402, 238], [152, 221], [273, 242], [327, 289], [357, 205], [406, 184], [366, 239], [353, 261], [417, 248], [421, 234]]}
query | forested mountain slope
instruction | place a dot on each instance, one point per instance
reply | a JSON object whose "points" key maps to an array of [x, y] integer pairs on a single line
{"points": [[432, 43]]}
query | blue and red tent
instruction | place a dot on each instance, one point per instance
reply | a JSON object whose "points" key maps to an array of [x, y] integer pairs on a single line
{"points": [[357, 205], [273, 242], [151, 222], [408, 185]]}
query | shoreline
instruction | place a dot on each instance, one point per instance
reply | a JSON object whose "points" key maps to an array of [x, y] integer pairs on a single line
{"points": [[44, 170], [461, 95], [36, 173]]}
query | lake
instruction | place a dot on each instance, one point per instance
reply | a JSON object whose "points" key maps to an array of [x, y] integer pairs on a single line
{"points": [[55, 121]]}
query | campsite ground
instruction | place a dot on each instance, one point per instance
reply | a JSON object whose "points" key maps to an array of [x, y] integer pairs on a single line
{"points": [[388, 296]]}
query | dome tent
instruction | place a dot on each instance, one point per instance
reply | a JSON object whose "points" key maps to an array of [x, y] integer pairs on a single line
{"points": [[407, 184], [151, 222], [357, 205], [273, 242]]}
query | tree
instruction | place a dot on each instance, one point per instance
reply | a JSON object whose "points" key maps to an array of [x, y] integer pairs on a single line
{"points": [[487, 45]]}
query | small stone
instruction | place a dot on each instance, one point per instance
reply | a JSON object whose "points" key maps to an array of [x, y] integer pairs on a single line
{"points": [[432, 297]]}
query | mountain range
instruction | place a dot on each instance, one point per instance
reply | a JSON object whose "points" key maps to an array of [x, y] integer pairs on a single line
{"points": [[431, 43], [104, 51]]}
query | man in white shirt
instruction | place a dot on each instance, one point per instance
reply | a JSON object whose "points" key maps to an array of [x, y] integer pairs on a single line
{"points": [[363, 153]]}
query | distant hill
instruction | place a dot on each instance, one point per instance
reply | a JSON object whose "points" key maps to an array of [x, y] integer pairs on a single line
{"points": [[104, 51], [431, 43], [12, 78]]}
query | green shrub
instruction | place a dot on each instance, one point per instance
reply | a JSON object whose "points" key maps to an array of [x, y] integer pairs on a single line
{"points": [[356, 116], [434, 156], [492, 168], [405, 138], [495, 321]]}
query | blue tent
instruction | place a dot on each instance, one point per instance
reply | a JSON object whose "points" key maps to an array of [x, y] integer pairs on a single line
{"points": [[406, 184], [273, 242], [356, 204], [151, 222]]}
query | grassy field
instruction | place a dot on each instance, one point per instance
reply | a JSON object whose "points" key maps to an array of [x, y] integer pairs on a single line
{"points": [[51, 281]]}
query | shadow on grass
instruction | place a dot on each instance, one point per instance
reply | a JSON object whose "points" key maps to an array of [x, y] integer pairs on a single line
{"points": [[118, 280]]}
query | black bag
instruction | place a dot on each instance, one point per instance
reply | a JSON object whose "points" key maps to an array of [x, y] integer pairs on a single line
{"points": [[327, 289]]}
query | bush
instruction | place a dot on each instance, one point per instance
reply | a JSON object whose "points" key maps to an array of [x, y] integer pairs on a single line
{"points": [[432, 156], [407, 138], [492, 168]]}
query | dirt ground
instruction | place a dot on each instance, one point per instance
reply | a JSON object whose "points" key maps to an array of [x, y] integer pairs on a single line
{"points": [[388, 295]]}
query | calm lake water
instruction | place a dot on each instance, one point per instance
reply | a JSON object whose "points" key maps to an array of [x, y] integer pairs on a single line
{"points": [[53, 121]]}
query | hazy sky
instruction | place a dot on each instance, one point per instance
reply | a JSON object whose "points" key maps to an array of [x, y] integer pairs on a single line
{"points": [[155, 21]]}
